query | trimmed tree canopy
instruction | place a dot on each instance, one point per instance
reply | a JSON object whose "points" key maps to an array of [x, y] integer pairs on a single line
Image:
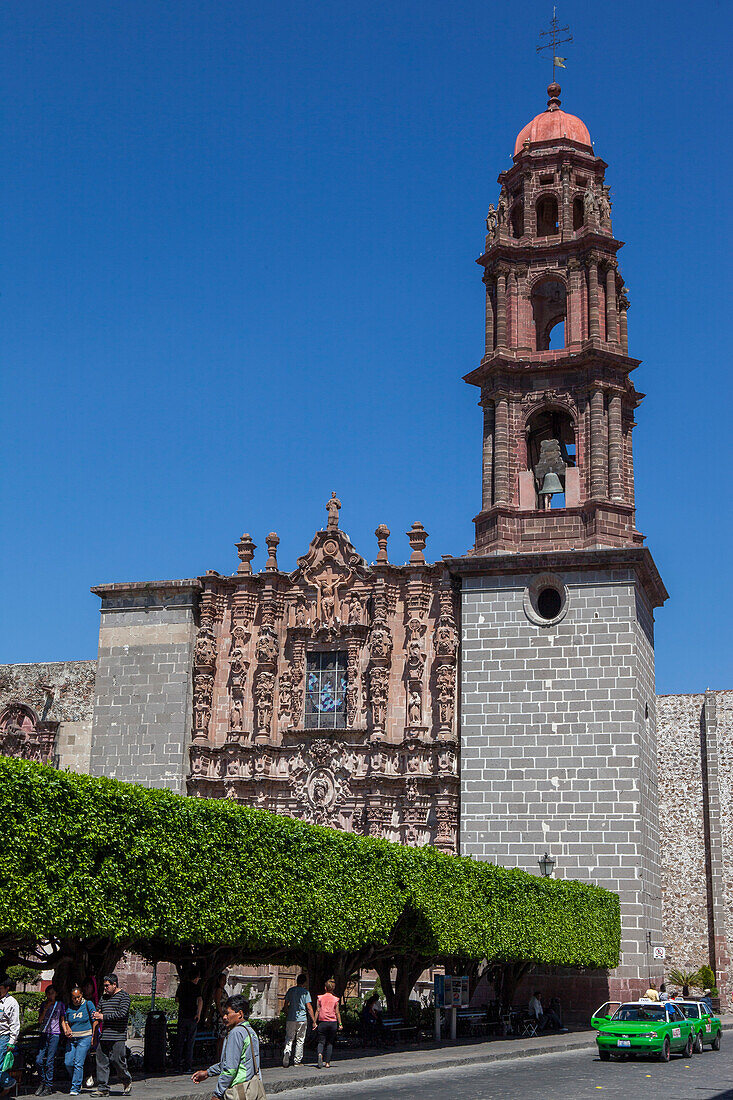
{"points": [[83, 858]]}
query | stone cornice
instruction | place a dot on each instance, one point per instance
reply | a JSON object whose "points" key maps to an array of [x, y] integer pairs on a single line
{"points": [[141, 587], [510, 250], [590, 353], [637, 558]]}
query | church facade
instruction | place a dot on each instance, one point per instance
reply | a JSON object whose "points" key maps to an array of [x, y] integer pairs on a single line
{"points": [[500, 704]]}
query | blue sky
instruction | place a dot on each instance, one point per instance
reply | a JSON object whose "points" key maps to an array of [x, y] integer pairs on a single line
{"points": [[237, 272]]}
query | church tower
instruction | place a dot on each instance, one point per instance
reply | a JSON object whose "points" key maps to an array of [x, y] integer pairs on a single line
{"points": [[558, 748]]}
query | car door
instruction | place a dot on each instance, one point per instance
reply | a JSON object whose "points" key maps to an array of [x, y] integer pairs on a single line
{"points": [[680, 1028]]}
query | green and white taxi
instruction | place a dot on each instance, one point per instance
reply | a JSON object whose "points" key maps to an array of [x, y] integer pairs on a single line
{"points": [[706, 1026], [643, 1027]]}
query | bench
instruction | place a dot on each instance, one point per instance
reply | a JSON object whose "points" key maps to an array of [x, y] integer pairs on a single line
{"points": [[397, 1026], [473, 1021]]}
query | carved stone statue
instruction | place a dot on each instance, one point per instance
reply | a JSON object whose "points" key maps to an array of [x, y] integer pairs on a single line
{"points": [[378, 689], [263, 691], [235, 714], [267, 646], [446, 687], [501, 207], [590, 201], [333, 507], [492, 220], [446, 638], [414, 709], [328, 604], [301, 611], [205, 653], [285, 695], [380, 640], [415, 660], [355, 611], [604, 204], [238, 664]]}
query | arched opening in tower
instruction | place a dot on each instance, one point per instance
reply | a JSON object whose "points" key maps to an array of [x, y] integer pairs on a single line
{"points": [[546, 216], [550, 451], [578, 213], [517, 219], [550, 310]]}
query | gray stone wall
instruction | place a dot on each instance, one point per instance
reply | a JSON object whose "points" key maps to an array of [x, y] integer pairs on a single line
{"points": [[558, 744], [58, 691], [695, 767], [142, 706]]}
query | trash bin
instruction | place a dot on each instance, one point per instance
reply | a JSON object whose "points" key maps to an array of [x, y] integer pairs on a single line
{"points": [[155, 1041]]}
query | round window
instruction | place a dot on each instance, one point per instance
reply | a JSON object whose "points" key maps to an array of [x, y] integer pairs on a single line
{"points": [[545, 600], [549, 603]]}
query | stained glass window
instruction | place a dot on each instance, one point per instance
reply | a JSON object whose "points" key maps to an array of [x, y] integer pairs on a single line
{"points": [[325, 691]]}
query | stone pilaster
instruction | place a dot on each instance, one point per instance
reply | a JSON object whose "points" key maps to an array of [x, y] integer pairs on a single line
{"points": [[487, 484]]}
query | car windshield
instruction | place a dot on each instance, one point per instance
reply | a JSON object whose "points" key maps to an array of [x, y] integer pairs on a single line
{"points": [[691, 1011], [640, 1013]]}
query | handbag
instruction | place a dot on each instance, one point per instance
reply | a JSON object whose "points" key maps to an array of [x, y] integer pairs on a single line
{"points": [[248, 1090]]}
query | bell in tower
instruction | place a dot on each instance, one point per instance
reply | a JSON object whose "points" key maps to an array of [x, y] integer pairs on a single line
{"points": [[558, 750]]}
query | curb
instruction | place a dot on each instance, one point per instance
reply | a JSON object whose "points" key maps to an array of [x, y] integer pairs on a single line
{"points": [[353, 1076], [451, 1060]]}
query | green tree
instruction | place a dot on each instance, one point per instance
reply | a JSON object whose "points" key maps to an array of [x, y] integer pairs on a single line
{"points": [[94, 868]]}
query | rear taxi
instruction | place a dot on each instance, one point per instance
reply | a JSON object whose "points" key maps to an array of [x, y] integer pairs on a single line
{"points": [[643, 1027], [706, 1027]]}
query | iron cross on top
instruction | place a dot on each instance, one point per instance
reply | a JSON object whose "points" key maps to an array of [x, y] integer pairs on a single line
{"points": [[555, 39]]}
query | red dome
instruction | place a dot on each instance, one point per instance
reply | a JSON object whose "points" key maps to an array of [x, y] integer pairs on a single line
{"points": [[553, 123]]}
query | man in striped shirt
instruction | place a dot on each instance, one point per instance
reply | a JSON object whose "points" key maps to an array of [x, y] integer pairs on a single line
{"points": [[113, 1014]]}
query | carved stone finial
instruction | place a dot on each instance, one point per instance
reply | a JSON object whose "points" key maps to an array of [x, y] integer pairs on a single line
{"points": [[246, 550], [273, 542], [382, 532], [332, 507], [418, 536]]}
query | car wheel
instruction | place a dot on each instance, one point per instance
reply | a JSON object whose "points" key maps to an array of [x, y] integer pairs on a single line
{"points": [[604, 1055], [664, 1052], [698, 1048], [687, 1053], [716, 1042]]}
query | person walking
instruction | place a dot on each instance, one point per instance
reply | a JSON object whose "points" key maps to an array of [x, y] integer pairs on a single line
{"points": [[190, 1003], [298, 1007], [78, 1026], [113, 1013], [50, 1015], [328, 1017], [238, 1071], [9, 1019], [651, 993]]}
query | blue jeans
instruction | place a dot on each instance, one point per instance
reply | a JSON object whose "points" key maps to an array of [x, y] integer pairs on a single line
{"points": [[74, 1059], [45, 1058]]}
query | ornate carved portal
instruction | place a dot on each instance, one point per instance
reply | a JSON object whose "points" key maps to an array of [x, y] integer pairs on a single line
{"points": [[328, 693], [24, 734]]}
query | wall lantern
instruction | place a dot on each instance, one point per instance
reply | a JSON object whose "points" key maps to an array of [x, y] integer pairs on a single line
{"points": [[547, 864]]}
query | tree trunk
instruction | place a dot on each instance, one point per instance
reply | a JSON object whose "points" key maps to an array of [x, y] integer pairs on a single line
{"points": [[384, 970], [409, 969]]}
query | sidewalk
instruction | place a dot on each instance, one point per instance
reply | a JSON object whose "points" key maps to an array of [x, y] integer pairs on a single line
{"points": [[362, 1065]]}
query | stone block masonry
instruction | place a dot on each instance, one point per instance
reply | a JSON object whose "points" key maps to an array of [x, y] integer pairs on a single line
{"points": [[558, 749], [142, 705], [56, 697]]}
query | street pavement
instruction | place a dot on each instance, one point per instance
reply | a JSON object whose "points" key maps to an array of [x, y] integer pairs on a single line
{"points": [[577, 1075]]}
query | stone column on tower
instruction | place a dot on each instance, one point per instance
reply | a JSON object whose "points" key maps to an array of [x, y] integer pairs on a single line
{"points": [[501, 307], [487, 495], [593, 315], [611, 310]]}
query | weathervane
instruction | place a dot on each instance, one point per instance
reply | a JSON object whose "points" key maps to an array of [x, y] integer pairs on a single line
{"points": [[555, 40]]}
